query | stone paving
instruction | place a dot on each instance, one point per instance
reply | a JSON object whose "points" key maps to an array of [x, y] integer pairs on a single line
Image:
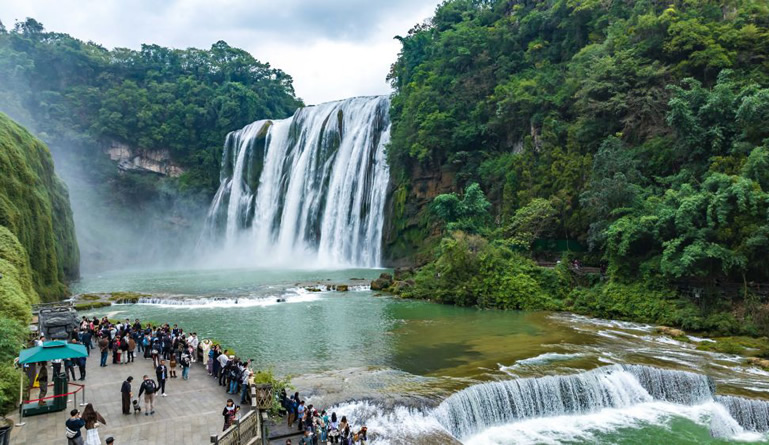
{"points": [[190, 413]]}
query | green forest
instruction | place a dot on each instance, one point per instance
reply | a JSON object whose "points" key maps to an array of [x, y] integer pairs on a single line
{"points": [[633, 132], [79, 96]]}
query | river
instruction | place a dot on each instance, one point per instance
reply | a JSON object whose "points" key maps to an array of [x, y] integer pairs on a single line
{"points": [[419, 372]]}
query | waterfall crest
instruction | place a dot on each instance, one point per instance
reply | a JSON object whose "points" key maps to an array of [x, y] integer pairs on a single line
{"points": [[307, 190], [488, 404]]}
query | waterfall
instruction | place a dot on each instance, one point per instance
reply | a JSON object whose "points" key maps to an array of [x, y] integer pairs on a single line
{"points": [[680, 387], [309, 189], [484, 405], [751, 414]]}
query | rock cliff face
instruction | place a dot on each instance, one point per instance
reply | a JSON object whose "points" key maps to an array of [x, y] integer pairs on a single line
{"points": [[408, 230], [35, 211], [137, 159]]}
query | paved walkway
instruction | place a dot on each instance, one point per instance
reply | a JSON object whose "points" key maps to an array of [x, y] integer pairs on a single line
{"points": [[189, 415]]}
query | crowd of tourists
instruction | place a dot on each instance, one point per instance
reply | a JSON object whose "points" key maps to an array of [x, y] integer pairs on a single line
{"points": [[320, 426], [170, 348]]}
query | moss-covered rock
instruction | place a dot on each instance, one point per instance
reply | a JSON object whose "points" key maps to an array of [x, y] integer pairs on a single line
{"points": [[17, 293], [92, 305], [34, 206]]}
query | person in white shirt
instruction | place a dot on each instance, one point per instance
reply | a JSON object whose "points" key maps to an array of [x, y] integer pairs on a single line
{"points": [[194, 342]]}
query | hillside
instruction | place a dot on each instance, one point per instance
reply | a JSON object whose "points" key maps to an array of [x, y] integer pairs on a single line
{"points": [[629, 135], [34, 208], [38, 248]]}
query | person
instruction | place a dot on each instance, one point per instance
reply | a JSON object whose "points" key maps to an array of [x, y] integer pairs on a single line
{"points": [[214, 356], [186, 367], [172, 370], [81, 367], [115, 350], [42, 381], [324, 426], [127, 394], [229, 413], [110, 440], [346, 435], [155, 352], [92, 420], [162, 374], [104, 348], [288, 441], [131, 349], [206, 348], [306, 438], [344, 431], [69, 367], [56, 363], [300, 409], [85, 338], [223, 361], [74, 423], [124, 350], [194, 342], [248, 380], [363, 435], [149, 388], [291, 408]]}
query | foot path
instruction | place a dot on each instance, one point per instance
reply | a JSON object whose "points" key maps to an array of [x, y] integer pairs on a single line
{"points": [[189, 414]]}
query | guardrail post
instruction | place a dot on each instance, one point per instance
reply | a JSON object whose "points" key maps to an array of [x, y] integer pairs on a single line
{"points": [[214, 439]]}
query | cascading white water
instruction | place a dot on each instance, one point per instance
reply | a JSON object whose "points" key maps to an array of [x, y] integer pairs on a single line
{"points": [[308, 190], [496, 403], [488, 404], [751, 414], [608, 397]]}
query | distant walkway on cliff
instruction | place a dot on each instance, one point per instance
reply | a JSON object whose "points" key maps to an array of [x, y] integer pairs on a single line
{"points": [[190, 414]]}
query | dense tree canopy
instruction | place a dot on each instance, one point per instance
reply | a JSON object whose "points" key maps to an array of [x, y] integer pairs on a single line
{"points": [[637, 128], [80, 94]]}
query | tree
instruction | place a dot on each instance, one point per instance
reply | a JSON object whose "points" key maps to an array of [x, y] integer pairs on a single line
{"points": [[470, 214], [531, 221]]}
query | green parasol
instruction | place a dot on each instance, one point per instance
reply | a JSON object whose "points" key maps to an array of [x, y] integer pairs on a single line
{"points": [[52, 350]]}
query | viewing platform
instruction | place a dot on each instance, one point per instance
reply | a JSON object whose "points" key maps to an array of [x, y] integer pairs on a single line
{"points": [[190, 414]]}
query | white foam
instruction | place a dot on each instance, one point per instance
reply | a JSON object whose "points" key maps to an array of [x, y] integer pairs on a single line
{"points": [[588, 427], [294, 295], [539, 360]]}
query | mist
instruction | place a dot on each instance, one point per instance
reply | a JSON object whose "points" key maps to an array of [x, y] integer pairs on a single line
{"points": [[128, 220]]}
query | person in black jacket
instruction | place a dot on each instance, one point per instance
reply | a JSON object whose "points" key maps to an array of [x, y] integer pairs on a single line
{"points": [[148, 388], [162, 374], [126, 393]]}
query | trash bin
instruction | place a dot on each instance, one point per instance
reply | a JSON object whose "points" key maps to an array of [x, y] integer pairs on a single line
{"points": [[60, 387]]}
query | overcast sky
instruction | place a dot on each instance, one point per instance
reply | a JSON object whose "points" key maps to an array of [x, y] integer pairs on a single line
{"points": [[333, 48]]}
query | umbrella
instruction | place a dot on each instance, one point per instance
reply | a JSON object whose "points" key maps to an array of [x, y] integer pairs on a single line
{"points": [[52, 350]]}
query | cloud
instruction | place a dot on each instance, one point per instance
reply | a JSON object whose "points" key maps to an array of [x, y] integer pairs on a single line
{"points": [[333, 49]]}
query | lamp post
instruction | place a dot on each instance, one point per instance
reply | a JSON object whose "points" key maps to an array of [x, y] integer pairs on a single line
{"points": [[261, 399]]}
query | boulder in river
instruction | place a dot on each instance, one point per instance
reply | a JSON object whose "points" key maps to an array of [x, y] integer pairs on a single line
{"points": [[756, 361], [384, 281], [341, 288], [673, 332]]}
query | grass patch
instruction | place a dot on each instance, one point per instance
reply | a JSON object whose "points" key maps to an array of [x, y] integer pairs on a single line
{"points": [[737, 345], [90, 297]]}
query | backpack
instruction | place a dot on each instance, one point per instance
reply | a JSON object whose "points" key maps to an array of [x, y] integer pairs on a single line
{"points": [[150, 388]]}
